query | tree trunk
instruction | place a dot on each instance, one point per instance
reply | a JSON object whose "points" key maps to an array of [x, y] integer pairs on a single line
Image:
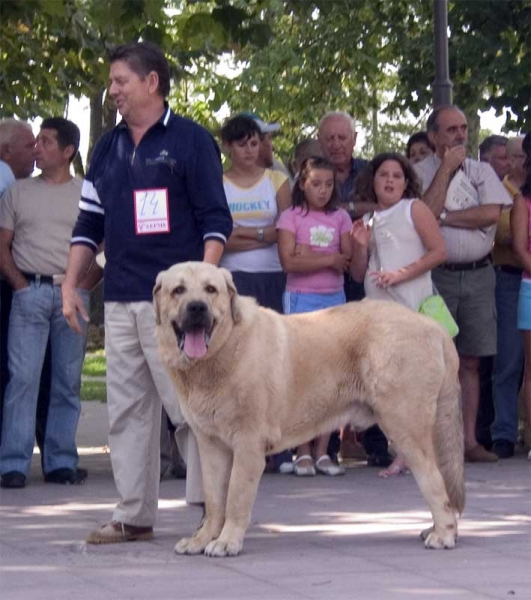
{"points": [[102, 119], [109, 114], [96, 120], [77, 163], [473, 132]]}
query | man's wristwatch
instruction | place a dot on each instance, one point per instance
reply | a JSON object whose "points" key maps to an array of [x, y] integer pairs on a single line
{"points": [[260, 234], [351, 209], [442, 216]]}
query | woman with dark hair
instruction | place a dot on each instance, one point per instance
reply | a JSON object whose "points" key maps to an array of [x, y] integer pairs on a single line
{"points": [[256, 197], [521, 232], [395, 248]]}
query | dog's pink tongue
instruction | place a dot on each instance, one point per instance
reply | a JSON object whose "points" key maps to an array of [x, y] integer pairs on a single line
{"points": [[194, 344]]}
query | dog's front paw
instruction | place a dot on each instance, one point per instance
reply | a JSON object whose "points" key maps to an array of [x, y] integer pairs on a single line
{"points": [[222, 548], [191, 545], [425, 533], [435, 541]]}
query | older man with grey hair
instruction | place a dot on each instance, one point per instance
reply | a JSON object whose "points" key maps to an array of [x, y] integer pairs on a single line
{"points": [[17, 151], [17, 158], [337, 136], [493, 149]]}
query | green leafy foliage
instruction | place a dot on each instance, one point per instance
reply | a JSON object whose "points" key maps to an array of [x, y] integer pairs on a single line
{"points": [[293, 59], [489, 54]]}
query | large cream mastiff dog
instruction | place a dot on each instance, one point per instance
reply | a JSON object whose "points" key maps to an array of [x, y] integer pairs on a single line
{"points": [[252, 382]]}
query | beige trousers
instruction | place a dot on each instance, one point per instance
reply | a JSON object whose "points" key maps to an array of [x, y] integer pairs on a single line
{"points": [[137, 386]]}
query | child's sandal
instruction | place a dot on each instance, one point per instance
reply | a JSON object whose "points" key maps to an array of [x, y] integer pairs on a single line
{"points": [[304, 470]]}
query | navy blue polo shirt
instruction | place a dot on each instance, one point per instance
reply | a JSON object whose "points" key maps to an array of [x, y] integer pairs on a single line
{"points": [[154, 205]]}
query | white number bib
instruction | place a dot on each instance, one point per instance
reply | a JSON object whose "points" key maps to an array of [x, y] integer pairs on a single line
{"points": [[151, 211]]}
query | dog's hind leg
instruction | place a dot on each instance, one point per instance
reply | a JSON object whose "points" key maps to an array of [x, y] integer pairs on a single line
{"points": [[443, 534], [247, 468], [417, 448], [216, 463]]}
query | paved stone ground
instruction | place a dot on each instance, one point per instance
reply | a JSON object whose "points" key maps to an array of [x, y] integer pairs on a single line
{"points": [[352, 537]]}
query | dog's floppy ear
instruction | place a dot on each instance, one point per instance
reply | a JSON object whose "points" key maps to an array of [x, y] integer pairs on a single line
{"points": [[156, 291], [234, 298]]}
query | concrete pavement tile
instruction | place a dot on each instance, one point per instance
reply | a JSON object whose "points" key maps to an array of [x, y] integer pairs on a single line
{"points": [[352, 537], [431, 563], [93, 428], [513, 589], [520, 548], [188, 578], [293, 560], [378, 544], [42, 581], [392, 585], [479, 572]]}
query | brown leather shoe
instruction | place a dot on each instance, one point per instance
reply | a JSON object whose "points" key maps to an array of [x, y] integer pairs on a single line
{"points": [[478, 454], [115, 533]]}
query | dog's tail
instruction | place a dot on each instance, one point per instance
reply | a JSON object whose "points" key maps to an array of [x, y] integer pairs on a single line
{"points": [[449, 441]]}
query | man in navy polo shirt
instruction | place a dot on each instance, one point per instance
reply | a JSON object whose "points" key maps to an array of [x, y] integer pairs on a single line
{"points": [[154, 192]]}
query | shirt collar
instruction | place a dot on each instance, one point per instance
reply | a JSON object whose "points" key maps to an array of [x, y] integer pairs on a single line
{"points": [[167, 115], [436, 161]]}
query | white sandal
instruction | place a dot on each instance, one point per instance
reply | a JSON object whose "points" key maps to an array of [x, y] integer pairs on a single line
{"points": [[301, 471], [330, 469]]}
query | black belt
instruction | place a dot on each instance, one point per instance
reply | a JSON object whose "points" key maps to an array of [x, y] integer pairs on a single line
{"points": [[509, 269], [38, 278], [468, 266]]}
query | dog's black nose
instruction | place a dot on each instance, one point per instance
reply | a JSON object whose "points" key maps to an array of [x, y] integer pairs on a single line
{"points": [[197, 308], [197, 316]]}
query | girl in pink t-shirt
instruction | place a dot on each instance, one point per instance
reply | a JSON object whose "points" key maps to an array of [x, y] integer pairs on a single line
{"points": [[314, 248]]}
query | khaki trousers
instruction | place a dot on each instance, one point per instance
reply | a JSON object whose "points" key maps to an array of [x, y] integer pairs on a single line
{"points": [[137, 387]]}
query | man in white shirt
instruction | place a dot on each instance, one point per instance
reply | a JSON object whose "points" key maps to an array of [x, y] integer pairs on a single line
{"points": [[467, 197]]}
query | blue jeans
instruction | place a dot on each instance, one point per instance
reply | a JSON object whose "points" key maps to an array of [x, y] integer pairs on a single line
{"points": [[36, 315], [509, 361], [300, 302]]}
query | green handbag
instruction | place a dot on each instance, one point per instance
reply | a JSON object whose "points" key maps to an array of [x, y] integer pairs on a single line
{"points": [[435, 307]]}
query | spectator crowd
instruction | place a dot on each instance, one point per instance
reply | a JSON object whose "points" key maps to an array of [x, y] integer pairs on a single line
{"points": [[332, 228]]}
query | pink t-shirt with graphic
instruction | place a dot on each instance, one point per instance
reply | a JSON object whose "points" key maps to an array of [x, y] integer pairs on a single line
{"points": [[322, 231]]}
